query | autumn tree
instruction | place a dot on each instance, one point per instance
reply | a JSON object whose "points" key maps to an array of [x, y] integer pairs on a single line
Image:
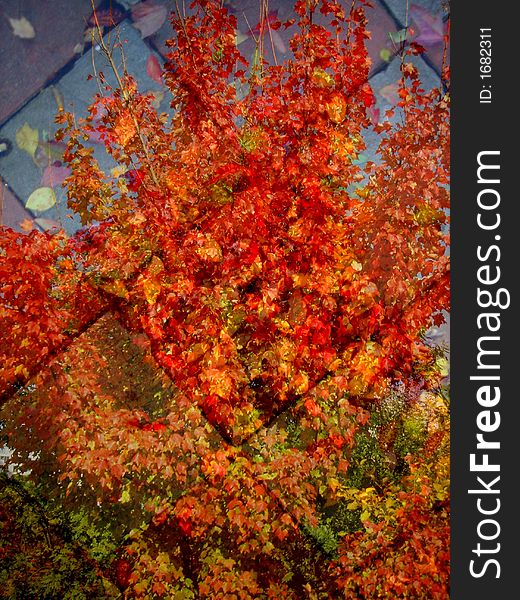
{"points": [[283, 287]]}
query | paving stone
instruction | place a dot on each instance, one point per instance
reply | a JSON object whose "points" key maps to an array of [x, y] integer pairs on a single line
{"points": [[12, 211], [26, 65], [19, 169], [401, 8]]}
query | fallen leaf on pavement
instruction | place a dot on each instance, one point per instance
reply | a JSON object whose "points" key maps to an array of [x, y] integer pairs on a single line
{"points": [[148, 17], [48, 152], [41, 199], [5, 146], [54, 175], [27, 139], [390, 93], [154, 69], [47, 224], [431, 27], [27, 225], [58, 97], [22, 28]]}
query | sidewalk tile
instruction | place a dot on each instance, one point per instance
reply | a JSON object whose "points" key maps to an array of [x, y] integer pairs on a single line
{"points": [[28, 64]]}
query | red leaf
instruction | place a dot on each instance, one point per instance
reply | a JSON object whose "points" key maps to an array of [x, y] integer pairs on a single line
{"points": [[374, 114], [417, 48], [367, 95], [154, 427], [272, 20], [122, 570], [154, 69], [135, 179]]}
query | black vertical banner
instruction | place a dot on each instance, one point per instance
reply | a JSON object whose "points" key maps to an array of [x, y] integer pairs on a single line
{"points": [[484, 321]]}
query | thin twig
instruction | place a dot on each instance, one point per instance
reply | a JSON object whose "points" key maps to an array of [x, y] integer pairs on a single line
{"points": [[250, 28], [270, 32], [94, 68], [126, 97], [182, 20]]}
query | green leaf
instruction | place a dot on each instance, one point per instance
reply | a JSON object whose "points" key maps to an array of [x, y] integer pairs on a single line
{"points": [[398, 36], [27, 139], [268, 476], [360, 160], [41, 199]]}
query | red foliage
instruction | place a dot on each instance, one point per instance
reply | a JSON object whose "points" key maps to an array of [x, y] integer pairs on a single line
{"points": [[266, 267]]}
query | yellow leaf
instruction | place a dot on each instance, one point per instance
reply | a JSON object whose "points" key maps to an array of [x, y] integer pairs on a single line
{"points": [[41, 199], [385, 54], [151, 290], [337, 108], [267, 476], [333, 484], [125, 129], [115, 287], [27, 139], [443, 365], [21, 370], [321, 78], [363, 192], [300, 383], [22, 28], [118, 171]]}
